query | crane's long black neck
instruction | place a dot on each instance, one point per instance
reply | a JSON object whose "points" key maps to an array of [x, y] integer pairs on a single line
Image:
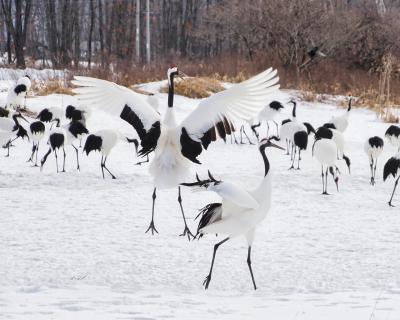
{"points": [[171, 91], [15, 118], [266, 162], [294, 109]]}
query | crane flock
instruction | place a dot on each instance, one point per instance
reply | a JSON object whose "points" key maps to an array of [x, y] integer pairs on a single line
{"points": [[172, 148]]}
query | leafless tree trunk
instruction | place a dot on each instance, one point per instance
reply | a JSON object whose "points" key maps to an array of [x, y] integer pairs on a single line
{"points": [[101, 28], [17, 25], [92, 19], [137, 30], [148, 53]]}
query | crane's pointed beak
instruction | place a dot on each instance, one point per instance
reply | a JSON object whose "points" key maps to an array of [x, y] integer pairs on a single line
{"points": [[276, 146]]}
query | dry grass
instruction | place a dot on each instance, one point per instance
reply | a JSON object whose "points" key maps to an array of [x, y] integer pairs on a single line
{"points": [[196, 88], [50, 87]]}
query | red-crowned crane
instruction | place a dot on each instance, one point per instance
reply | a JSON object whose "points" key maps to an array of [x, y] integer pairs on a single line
{"points": [[177, 146], [239, 213]]}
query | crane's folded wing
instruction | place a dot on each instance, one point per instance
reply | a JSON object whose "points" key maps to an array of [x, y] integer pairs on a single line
{"points": [[234, 194]]}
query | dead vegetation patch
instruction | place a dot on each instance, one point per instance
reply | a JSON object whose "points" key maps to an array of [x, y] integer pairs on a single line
{"points": [[196, 88], [50, 87]]}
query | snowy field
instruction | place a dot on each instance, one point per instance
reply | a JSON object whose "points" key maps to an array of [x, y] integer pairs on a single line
{"points": [[73, 246]]}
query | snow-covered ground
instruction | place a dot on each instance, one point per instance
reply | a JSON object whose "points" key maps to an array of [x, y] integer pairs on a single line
{"points": [[73, 246]]}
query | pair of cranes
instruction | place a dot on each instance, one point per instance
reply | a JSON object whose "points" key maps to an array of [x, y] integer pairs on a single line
{"points": [[177, 146]]}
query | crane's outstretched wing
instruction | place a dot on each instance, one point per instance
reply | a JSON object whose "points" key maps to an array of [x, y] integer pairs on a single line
{"points": [[214, 116], [122, 102]]}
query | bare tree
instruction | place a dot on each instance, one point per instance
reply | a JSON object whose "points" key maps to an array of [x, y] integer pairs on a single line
{"points": [[17, 15]]}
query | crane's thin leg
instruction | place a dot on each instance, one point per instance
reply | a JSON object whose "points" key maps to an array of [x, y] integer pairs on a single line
{"points": [[241, 134], [326, 181], [206, 282], [251, 270], [140, 162], [287, 147], [55, 153], [253, 128], [244, 131], [80, 143], [33, 152], [44, 159], [104, 165], [37, 151], [394, 189], [186, 231], [293, 151], [371, 166], [293, 159], [233, 136], [267, 129], [277, 128], [151, 226], [298, 161], [376, 161], [77, 158], [8, 148], [323, 180], [63, 170]]}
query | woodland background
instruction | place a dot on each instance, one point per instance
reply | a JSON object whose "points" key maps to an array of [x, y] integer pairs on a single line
{"points": [[131, 41]]}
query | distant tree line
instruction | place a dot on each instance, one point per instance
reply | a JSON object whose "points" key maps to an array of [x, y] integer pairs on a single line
{"points": [[106, 33]]}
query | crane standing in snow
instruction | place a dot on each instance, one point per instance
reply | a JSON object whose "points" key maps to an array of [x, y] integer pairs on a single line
{"points": [[103, 141], [269, 113], [37, 130], [16, 97], [240, 211], [325, 150], [177, 146], [373, 148], [392, 167]]}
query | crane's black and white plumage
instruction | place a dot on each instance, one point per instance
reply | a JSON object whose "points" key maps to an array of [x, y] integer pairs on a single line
{"points": [[17, 94], [175, 146], [325, 150], [296, 135], [338, 138], [102, 141], [287, 130], [392, 167], [57, 140], [300, 141], [373, 147], [37, 130], [51, 115], [71, 132], [268, 113], [340, 122], [392, 134], [10, 130], [81, 114], [239, 213]]}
